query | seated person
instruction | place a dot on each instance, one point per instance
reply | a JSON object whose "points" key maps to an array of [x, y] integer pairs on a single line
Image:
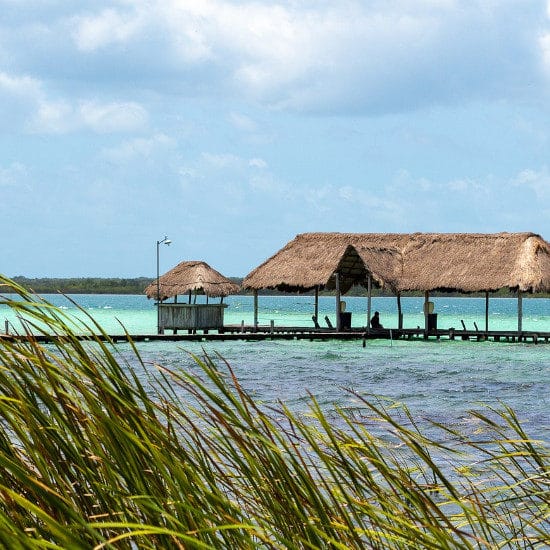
{"points": [[375, 321]]}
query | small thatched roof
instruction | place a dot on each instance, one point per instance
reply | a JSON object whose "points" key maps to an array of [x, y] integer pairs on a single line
{"points": [[312, 259], [466, 262], [192, 276]]}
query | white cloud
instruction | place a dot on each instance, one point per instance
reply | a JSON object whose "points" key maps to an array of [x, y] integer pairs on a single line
{"points": [[19, 86], [257, 163], [243, 122], [138, 148], [108, 27], [353, 56], [43, 114], [385, 56], [60, 117], [112, 117], [223, 160]]}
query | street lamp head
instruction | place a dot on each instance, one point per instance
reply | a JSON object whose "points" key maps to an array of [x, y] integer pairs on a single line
{"points": [[166, 240]]}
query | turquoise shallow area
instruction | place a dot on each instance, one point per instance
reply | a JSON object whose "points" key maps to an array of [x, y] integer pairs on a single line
{"points": [[138, 314], [437, 380]]}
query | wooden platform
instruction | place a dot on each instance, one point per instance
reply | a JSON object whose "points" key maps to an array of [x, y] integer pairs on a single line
{"points": [[251, 333]]}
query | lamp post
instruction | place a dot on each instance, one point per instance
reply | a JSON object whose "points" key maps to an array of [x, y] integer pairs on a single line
{"points": [[166, 241]]}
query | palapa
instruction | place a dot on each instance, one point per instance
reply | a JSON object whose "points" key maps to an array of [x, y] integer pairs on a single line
{"points": [[464, 262], [192, 276]]}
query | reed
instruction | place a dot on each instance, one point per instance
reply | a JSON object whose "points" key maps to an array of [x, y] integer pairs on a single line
{"points": [[91, 456]]}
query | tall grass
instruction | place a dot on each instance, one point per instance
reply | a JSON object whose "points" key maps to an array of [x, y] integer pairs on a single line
{"points": [[90, 457]]}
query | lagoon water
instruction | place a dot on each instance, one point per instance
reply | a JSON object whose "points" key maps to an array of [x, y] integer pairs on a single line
{"points": [[438, 380]]}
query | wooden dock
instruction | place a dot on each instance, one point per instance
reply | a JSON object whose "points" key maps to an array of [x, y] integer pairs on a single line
{"points": [[252, 333]]}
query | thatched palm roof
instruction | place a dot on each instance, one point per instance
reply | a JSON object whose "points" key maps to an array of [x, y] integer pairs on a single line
{"points": [[475, 262], [192, 276], [312, 259], [465, 262]]}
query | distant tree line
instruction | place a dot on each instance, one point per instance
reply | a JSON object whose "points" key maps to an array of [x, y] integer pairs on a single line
{"points": [[99, 285], [85, 285]]}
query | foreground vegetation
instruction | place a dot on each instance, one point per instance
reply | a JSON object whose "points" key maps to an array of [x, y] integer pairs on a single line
{"points": [[94, 456]]}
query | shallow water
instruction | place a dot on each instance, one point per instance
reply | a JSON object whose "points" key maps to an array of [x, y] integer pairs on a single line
{"points": [[138, 314], [438, 380]]}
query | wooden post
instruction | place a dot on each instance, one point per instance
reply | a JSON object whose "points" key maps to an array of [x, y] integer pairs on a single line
{"points": [[399, 312], [189, 296], [426, 310], [520, 312], [369, 300], [255, 309], [486, 311], [338, 321], [316, 310]]}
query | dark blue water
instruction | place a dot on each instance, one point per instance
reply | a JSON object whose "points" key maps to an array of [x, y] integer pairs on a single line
{"points": [[437, 380]]}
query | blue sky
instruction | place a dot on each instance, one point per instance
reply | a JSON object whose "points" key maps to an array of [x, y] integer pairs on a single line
{"points": [[232, 126]]}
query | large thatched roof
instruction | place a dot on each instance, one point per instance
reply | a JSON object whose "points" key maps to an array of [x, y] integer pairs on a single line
{"points": [[192, 276], [476, 262], [466, 262]]}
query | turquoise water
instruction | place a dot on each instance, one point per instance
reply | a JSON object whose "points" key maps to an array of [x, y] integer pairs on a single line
{"points": [[437, 380], [138, 314]]}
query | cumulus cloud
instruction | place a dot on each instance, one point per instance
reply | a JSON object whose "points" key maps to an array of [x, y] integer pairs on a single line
{"points": [[25, 98], [359, 57], [59, 117], [372, 57], [108, 27]]}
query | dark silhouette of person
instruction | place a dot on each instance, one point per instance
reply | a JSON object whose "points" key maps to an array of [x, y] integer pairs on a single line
{"points": [[375, 321]]}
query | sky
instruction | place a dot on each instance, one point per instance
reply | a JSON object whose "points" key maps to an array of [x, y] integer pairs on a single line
{"points": [[233, 126]]}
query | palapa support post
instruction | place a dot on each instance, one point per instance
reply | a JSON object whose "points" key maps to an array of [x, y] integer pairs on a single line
{"points": [[486, 311], [369, 300], [399, 312], [338, 319], [316, 306], [255, 309], [520, 313], [426, 312]]}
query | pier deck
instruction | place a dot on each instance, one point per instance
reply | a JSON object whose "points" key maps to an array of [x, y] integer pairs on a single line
{"points": [[251, 333]]}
